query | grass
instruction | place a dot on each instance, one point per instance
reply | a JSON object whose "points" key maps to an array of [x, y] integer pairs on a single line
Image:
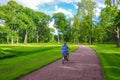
{"points": [[110, 58], [19, 59]]}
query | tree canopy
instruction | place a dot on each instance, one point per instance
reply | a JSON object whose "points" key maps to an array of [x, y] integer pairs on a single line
{"points": [[24, 25]]}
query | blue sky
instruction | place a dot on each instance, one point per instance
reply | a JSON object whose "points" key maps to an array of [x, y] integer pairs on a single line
{"points": [[68, 7]]}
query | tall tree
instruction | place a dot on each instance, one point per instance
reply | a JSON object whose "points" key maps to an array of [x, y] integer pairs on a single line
{"points": [[109, 20], [86, 13], [117, 30], [11, 12], [42, 26], [76, 28], [61, 24]]}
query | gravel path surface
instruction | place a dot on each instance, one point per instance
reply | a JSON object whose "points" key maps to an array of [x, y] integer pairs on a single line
{"points": [[83, 64]]}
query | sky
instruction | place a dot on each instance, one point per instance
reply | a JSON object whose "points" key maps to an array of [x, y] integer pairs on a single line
{"points": [[68, 7]]}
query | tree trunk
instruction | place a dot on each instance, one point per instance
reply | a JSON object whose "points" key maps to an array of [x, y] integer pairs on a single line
{"points": [[26, 36], [43, 39], [58, 36], [58, 39], [90, 35], [118, 43], [37, 37], [118, 36], [17, 39], [7, 39], [12, 41], [90, 42], [74, 40]]}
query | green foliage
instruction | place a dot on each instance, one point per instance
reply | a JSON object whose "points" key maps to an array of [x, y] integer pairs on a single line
{"points": [[117, 19], [109, 57], [76, 28], [84, 21], [21, 59], [24, 25], [85, 29], [62, 25], [60, 21], [108, 23], [21, 21]]}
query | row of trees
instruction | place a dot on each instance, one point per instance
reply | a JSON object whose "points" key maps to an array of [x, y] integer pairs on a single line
{"points": [[86, 29], [22, 24], [26, 25]]}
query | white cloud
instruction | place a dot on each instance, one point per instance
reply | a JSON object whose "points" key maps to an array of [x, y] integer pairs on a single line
{"points": [[97, 11], [29, 3], [119, 7], [51, 24], [56, 7], [70, 1], [2, 22], [101, 5], [99, 1], [33, 4], [75, 5], [3, 2], [66, 12]]}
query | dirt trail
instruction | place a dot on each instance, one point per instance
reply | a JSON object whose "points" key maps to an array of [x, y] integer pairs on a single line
{"points": [[83, 65]]}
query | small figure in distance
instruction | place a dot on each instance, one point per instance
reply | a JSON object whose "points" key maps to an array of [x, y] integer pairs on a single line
{"points": [[65, 52]]}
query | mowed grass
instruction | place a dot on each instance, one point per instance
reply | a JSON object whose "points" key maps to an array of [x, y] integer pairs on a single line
{"points": [[19, 59], [110, 59]]}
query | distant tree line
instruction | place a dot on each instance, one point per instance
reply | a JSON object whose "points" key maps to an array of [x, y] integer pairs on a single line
{"points": [[26, 25]]}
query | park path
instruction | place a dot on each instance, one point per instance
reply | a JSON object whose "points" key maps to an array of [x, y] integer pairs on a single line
{"points": [[84, 64]]}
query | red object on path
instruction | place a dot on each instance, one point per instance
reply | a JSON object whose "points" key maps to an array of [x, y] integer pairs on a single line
{"points": [[84, 64]]}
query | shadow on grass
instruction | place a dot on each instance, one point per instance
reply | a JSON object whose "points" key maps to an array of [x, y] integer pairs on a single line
{"points": [[15, 53], [111, 65], [112, 72]]}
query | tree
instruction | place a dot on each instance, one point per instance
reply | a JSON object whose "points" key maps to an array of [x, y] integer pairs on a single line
{"points": [[52, 31], [61, 24], [109, 20], [117, 27], [76, 28], [24, 24], [86, 13], [10, 17], [68, 31], [41, 21]]}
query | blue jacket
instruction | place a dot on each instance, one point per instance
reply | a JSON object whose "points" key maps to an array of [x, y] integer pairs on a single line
{"points": [[65, 50]]}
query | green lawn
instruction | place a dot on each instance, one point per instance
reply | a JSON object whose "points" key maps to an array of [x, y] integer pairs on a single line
{"points": [[110, 58], [20, 59]]}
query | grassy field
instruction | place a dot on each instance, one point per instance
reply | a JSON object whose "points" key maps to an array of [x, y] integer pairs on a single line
{"points": [[110, 58], [20, 59]]}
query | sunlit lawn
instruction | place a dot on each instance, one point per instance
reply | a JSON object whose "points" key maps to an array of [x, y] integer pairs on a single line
{"points": [[19, 59], [110, 58]]}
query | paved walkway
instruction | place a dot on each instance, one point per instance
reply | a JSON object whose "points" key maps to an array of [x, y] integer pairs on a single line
{"points": [[83, 65]]}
